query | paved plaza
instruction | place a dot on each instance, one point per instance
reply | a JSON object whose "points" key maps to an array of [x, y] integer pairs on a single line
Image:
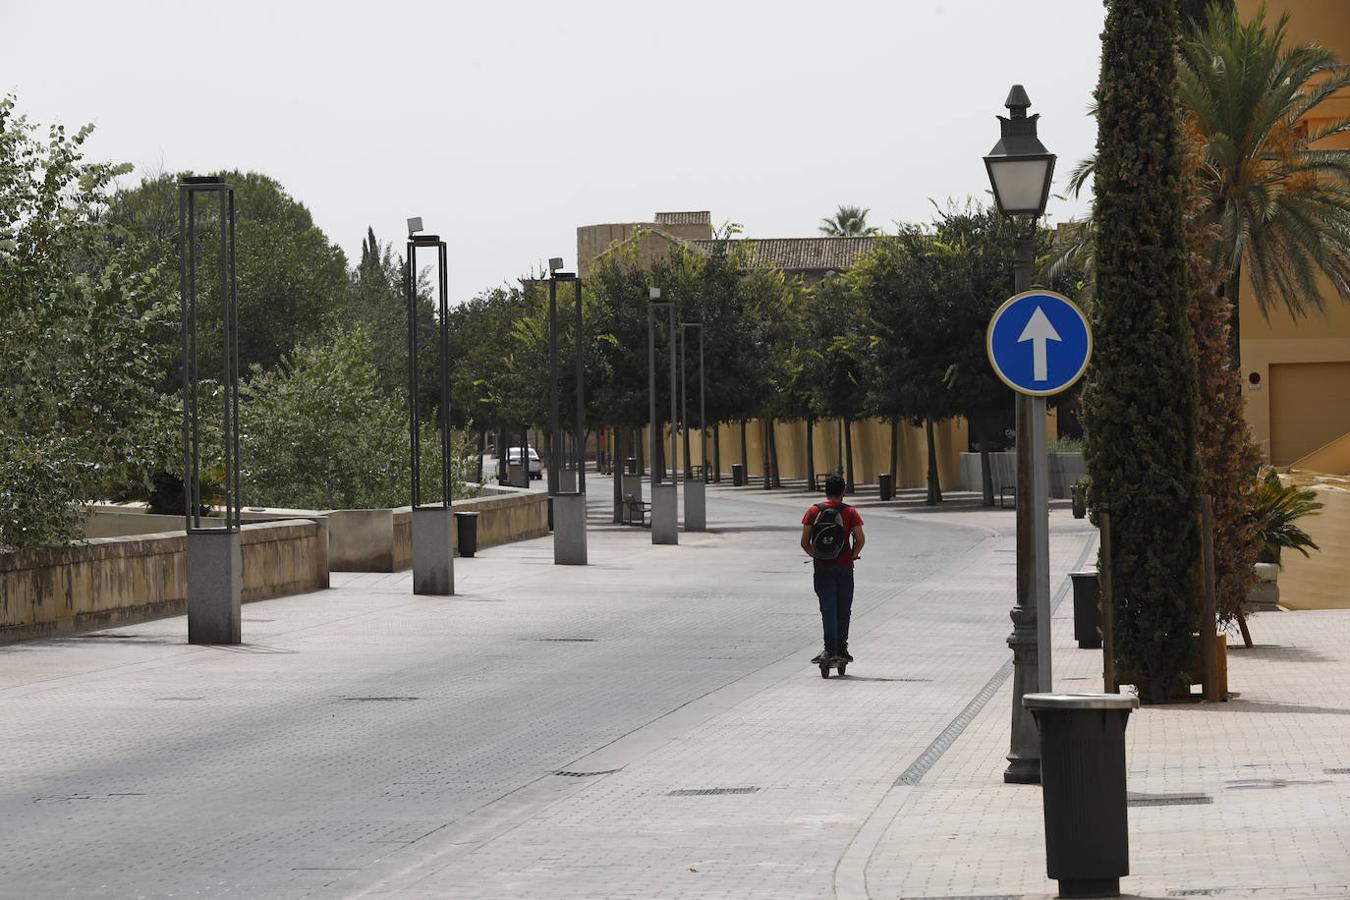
{"points": [[648, 726]]}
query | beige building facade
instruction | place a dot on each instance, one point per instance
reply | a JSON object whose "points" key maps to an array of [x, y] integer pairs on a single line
{"points": [[1297, 372]]}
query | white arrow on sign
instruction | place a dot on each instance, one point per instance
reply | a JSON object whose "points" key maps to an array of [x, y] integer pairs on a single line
{"points": [[1039, 330]]}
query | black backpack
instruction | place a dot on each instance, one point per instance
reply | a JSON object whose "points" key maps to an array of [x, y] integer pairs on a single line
{"points": [[828, 536]]}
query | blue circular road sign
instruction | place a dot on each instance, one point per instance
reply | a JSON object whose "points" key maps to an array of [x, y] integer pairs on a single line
{"points": [[1039, 343]]}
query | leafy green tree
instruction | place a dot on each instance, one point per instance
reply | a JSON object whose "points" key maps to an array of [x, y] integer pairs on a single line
{"points": [[1140, 402], [847, 221], [1281, 201], [81, 305], [292, 281], [378, 302], [839, 336], [319, 431]]}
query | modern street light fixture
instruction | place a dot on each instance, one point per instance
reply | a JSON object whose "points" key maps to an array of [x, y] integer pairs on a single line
{"points": [[432, 523], [1020, 169], [665, 500], [214, 559], [568, 501], [695, 488]]}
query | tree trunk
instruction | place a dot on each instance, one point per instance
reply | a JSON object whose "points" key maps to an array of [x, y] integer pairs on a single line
{"points": [[764, 452], [717, 452], [616, 470], [811, 455], [895, 452], [1230, 292], [659, 463], [501, 456], [745, 452], [849, 486], [934, 488], [839, 446], [482, 448], [688, 459], [986, 476], [773, 454]]}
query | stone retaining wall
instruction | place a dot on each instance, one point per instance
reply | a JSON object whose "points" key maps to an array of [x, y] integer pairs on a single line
{"points": [[380, 540], [116, 580]]}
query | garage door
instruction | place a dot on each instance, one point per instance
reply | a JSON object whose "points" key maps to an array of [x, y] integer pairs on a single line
{"points": [[1309, 407]]}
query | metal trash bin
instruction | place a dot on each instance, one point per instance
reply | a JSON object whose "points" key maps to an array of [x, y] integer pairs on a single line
{"points": [[466, 533], [1087, 610], [737, 475], [1087, 847], [630, 466], [887, 482]]}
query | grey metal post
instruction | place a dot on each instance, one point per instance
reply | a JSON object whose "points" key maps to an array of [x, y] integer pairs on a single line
{"points": [[674, 477], [665, 501], [702, 422], [432, 524], [554, 435], [651, 379], [1024, 754], [581, 396], [213, 552]]}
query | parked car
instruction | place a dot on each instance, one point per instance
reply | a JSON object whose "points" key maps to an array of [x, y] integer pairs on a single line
{"points": [[536, 466]]}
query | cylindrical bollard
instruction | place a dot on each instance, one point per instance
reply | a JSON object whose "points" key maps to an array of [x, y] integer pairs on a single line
{"points": [[737, 475], [466, 532], [1087, 610], [1087, 847], [887, 481]]}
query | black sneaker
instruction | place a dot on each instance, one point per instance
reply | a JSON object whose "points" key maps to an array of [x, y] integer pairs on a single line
{"points": [[848, 657], [822, 656]]}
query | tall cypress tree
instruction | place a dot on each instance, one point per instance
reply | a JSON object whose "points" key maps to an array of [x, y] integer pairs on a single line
{"points": [[1140, 403]]}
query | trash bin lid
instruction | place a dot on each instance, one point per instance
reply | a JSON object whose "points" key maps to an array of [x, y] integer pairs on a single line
{"points": [[465, 513], [1080, 701]]}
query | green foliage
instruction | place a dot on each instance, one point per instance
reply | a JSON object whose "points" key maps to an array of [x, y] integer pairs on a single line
{"points": [[1282, 208], [292, 282], [1274, 509], [81, 306], [848, 221], [319, 432], [1140, 403], [1065, 445], [377, 301]]}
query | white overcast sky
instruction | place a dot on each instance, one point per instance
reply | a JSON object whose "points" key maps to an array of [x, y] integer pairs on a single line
{"points": [[506, 124]]}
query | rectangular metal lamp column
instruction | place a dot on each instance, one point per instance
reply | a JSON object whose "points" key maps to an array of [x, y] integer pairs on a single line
{"points": [[569, 529], [665, 513], [214, 581], [433, 553], [695, 505]]}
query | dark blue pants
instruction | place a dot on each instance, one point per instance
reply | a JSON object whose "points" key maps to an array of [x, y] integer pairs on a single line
{"points": [[834, 588]]}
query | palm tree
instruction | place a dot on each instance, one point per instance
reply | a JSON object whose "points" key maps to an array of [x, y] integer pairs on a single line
{"points": [[1281, 202], [848, 221]]}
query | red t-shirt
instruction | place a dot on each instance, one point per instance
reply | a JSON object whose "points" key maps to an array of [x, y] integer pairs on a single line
{"points": [[850, 518]]}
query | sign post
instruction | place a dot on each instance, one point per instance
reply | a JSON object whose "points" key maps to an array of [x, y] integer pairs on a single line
{"points": [[1039, 344]]}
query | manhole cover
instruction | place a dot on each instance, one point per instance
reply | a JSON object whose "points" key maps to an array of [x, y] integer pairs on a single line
{"points": [[710, 792], [1170, 799]]}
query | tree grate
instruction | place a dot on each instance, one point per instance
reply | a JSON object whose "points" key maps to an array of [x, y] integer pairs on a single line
{"points": [[709, 792], [377, 699], [1196, 892], [566, 640], [1336, 771], [569, 774], [1170, 799]]}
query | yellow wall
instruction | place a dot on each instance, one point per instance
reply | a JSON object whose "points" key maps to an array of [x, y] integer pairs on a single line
{"points": [[1320, 580]]}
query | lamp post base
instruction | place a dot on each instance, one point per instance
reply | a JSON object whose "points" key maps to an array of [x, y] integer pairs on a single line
{"points": [[695, 506], [665, 514], [569, 529], [214, 582], [433, 555]]}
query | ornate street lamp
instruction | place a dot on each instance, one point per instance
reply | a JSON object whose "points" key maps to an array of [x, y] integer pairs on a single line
{"points": [[1019, 170]]}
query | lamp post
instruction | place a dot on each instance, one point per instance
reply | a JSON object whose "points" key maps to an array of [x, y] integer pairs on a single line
{"points": [[568, 502], [214, 559], [695, 489], [1020, 169], [665, 512], [432, 535]]}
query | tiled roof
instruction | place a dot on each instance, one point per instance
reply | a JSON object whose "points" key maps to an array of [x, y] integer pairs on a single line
{"points": [[703, 217], [802, 254]]}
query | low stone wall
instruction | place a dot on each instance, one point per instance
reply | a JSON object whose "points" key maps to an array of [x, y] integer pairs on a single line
{"points": [[1065, 469], [111, 581], [380, 540]]}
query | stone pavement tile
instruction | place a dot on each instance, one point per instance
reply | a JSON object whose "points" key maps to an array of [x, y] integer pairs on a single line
{"points": [[1274, 822], [799, 766]]}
